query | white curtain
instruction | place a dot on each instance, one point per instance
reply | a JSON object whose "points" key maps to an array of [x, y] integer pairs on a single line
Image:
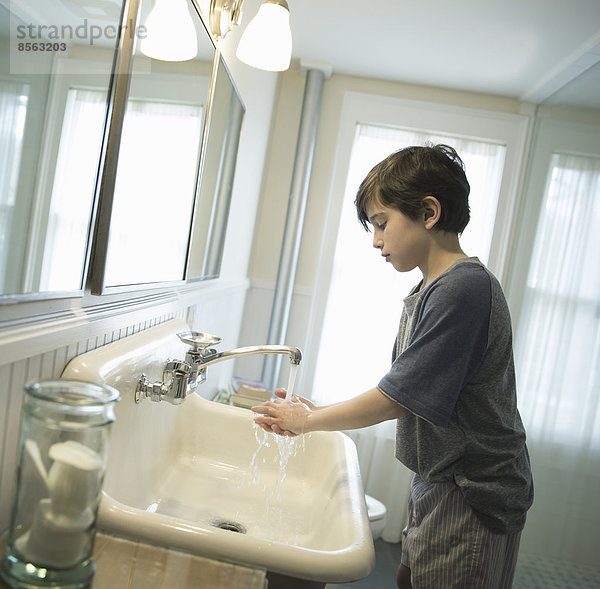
{"points": [[157, 136], [13, 111], [73, 190], [558, 365], [365, 301]]}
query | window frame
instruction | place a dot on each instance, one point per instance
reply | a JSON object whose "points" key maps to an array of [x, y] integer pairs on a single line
{"points": [[512, 130]]}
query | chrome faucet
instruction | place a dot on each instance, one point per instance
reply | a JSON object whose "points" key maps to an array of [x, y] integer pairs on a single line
{"points": [[180, 378]]}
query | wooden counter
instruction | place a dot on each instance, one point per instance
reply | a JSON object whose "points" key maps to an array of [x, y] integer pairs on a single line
{"points": [[126, 564]]}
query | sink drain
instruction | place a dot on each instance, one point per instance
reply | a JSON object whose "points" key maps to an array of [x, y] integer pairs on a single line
{"points": [[229, 526]]}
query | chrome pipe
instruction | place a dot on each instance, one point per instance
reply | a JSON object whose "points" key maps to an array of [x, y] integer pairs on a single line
{"points": [[294, 353], [292, 236]]}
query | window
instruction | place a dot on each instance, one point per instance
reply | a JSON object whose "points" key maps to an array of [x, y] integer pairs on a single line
{"points": [[73, 189], [365, 295], [558, 349], [140, 179], [556, 309]]}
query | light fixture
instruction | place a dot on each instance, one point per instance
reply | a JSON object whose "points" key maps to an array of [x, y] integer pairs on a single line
{"points": [[170, 32], [223, 15], [266, 43]]}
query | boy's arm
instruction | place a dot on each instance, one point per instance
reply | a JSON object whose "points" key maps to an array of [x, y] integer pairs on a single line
{"points": [[367, 409]]}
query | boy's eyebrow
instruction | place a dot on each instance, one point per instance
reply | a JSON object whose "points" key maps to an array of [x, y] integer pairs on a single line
{"points": [[374, 216]]}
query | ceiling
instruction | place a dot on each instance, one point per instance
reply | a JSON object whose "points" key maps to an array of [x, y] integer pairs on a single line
{"points": [[526, 49]]}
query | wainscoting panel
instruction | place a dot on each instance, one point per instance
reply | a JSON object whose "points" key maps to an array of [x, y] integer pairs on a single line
{"points": [[43, 366]]}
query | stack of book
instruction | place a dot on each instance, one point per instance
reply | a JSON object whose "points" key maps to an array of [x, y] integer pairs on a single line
{"points": [[248, 393]]}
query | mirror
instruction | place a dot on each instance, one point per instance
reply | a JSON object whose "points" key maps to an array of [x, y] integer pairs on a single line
{"points": [[582, 92], [214, 196], [148, 190], [55, 65], [567, 124]]}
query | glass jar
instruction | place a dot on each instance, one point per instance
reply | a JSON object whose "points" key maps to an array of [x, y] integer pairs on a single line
{"points": [[63, 452]]}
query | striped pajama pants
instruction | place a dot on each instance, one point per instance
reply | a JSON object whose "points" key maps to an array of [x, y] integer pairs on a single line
{"points": [[446, 546]]}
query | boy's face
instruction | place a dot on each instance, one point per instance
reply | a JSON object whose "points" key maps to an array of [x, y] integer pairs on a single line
{"points": [[403, 241]]}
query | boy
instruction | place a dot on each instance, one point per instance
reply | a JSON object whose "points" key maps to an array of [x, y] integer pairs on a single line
{"points": [[451, 385]]}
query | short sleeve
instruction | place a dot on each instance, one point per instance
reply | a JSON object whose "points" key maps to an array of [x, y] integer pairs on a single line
{"points": [[446, 347]]}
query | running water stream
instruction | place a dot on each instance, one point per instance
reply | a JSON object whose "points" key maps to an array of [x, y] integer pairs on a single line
{"points": [[291, 381], [287, 447]]}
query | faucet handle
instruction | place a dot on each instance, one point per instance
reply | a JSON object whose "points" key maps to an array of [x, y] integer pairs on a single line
{"points": [[198, 340]]}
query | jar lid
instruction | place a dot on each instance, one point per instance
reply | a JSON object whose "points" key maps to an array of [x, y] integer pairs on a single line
{"points": [[73, 392]]}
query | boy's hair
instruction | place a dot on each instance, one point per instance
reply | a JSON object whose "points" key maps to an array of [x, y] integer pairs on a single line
{"points": [[404, 178]]}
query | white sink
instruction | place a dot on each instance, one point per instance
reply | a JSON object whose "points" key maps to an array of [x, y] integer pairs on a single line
{"points": [[176, 473]]}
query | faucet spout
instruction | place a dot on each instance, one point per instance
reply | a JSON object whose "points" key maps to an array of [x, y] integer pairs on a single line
{"points": [[182, 378], [294, 353]]}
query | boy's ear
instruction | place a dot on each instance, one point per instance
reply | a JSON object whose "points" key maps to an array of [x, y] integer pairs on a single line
{"points": [[432, 211]]}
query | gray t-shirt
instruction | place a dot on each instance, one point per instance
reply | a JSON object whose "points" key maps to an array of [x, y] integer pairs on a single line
{"points": [[453, 370]]}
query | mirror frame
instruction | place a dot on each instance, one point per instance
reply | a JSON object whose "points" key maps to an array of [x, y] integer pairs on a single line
{"points": [[95, 270], [217, 228], [28, 297]]}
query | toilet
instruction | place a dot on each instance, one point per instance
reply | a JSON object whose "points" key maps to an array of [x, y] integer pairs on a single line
{"points": [[377, 515]]}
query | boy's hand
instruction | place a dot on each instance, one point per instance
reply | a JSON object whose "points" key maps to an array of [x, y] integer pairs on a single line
{"points": [[287, 418], [281, 393]]}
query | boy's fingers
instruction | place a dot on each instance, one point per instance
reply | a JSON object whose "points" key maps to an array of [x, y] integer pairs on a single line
{"points": [[264, 408]]}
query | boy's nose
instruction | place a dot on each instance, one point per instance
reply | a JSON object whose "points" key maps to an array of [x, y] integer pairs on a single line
{"points": [[377, 242]]}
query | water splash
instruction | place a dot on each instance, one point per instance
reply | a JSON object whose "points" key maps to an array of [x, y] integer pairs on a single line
{"points": [[287, 447], [272, 456], [262, 440]]}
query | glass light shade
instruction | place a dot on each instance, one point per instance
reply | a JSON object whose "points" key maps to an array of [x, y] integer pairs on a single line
{"points": [[267, 41], [170, 32]]}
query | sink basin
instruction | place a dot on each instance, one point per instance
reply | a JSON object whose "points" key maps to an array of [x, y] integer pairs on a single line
{"points": [[203, 478]]}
